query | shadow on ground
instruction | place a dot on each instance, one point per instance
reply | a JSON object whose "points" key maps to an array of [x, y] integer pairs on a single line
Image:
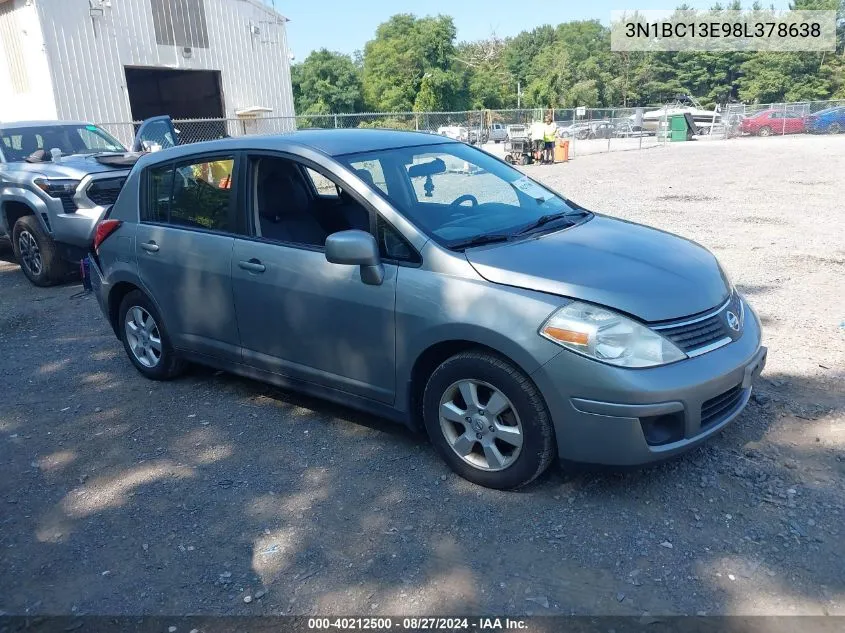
{"points": [[130, 496]]}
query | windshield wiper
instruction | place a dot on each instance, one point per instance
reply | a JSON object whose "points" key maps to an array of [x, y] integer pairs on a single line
{"points": [[543, 219], [479, 240]]}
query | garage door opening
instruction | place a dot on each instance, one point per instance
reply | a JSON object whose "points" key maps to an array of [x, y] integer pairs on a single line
{"points": [[182, 94]]}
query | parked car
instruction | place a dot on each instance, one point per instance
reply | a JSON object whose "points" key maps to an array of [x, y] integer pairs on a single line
{"points": [[587, 130], [828, 121], [497, 132], [626, 129], [573, 130], [57, 178], [484, 308], [769, 122], [455, 132]]}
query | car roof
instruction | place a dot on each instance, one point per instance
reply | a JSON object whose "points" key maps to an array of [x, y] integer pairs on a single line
{"points": [[330, 142], [830, 109], [25, 124]]}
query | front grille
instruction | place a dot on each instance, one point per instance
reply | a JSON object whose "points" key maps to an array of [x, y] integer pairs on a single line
{"points": [[716, 409], [68, 205], [694, 335], [104, 192]]}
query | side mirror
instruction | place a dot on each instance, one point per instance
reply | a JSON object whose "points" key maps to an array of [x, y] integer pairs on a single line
{"points": [[356, 248]]}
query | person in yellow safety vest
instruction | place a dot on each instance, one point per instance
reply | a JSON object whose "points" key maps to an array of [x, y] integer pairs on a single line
{"points": [[549, 133], [218, 173], [537, 132]]}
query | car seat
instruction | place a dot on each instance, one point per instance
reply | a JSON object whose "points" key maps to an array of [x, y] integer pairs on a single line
{"points": [[284, 208]]}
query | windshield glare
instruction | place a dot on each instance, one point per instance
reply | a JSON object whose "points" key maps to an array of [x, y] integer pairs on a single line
{"points": [[19, 143], [455, 192]]}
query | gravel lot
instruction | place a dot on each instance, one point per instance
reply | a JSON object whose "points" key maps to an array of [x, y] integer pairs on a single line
{"points": [[218, 495]]}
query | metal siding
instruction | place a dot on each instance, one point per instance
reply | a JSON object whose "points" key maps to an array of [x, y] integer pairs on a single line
{"points": [[24, 74], [87, 56]]}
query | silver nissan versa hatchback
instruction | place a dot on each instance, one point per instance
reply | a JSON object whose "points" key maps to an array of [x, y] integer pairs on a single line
{"points": [[423, 280]]}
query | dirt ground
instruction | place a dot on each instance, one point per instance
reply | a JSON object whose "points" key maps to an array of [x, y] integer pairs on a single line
{"points": [[213, 494]]}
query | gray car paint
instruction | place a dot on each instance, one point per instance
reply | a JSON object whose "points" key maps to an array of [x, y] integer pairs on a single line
{"points": [[317, 327], [636, 269]]}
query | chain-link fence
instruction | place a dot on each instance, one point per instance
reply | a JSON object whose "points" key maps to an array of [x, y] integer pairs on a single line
{"points": [[767, 119], [588, 130]]}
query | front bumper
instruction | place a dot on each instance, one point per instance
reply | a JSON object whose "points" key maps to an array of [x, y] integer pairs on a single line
{"points": [[605, 415]]}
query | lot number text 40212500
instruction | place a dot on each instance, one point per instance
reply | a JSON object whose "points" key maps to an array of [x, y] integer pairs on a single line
{"points": [[417, 624]]}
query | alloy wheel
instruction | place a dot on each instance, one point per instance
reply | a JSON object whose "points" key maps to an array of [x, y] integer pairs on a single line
{"points": [[481, 425], [30, 253], [834, 128], [143, 336]]}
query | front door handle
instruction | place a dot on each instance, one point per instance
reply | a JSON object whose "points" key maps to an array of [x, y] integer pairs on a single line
{"points": [[253, 266], [150, 247]]}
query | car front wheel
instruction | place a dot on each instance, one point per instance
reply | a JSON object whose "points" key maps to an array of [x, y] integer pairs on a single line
{"points": [[488, 421], [145, 340], [36, 253], [834, 128]]}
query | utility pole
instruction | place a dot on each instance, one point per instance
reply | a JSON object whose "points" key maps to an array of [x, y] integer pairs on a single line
{"points": [[518, 95]]}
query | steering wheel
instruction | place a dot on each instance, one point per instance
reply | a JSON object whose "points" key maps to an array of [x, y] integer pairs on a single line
{"points": [[464, 198]]}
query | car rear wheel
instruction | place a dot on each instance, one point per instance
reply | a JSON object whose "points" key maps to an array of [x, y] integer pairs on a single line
{"points": [[834, 128], [36, 253], [764, 131], [145, 339], [488, 421]]}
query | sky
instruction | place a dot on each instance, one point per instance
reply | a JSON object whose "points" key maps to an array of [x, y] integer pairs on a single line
{"points": [[346, 25]]}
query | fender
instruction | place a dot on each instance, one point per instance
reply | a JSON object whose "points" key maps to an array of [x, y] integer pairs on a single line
{"points": [[18, 194]]}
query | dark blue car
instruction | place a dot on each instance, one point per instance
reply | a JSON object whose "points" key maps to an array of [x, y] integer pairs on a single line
{"points": [[828, 121]]}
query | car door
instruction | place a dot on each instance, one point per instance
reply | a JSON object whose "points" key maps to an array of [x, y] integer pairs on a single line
{"points": [[794, 123], [299, 315], [183, 247], [154, 134]]}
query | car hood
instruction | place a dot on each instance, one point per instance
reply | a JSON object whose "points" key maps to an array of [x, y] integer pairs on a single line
{"points": [[642, 271], [75, 167]]}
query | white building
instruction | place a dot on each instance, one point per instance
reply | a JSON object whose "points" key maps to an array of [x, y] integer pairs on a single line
{"points": [[115, 61]]}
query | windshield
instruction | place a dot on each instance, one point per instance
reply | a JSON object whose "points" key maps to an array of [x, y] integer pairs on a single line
{"points": [[455, 192], [18, 143]]}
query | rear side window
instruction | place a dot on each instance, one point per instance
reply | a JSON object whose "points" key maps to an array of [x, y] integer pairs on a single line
{"points": [[196, 195]]}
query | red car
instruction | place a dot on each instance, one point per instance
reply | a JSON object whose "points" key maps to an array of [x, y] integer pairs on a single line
{"points": [[770, 122]]}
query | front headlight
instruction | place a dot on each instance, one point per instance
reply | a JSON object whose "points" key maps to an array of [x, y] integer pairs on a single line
{"points": [[56, 187], [609, 337]]}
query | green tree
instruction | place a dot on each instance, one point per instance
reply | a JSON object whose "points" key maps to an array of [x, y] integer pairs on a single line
{"points": [[406, 51], [326, 83]]}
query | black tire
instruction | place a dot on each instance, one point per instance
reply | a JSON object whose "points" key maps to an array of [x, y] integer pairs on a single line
{"points": [[169, 364], [834, 128], [37, 254], [764, 131], [538, 445], [524, 160]]}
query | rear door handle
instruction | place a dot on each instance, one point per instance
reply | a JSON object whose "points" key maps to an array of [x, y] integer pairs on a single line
{"points": [[150, 247], [253, 266]]}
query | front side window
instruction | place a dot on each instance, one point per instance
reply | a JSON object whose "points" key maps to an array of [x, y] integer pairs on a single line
{"points": [[324, 187], [197, 195], [455, 192]]}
